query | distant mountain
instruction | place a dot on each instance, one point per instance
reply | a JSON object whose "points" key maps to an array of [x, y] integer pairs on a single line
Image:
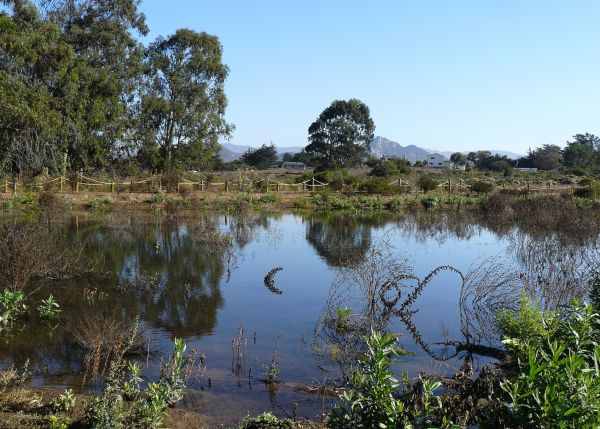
{"points": [[380, 147], [230, 152]]}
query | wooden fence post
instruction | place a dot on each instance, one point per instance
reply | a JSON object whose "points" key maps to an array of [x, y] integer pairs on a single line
{"points": [[528, 187], [77, 183], [449, 186], [112, 186], [131, 185], [202, 185], [313, 184], [227, 186], [277, 186], [6, 186], [60, 184]]}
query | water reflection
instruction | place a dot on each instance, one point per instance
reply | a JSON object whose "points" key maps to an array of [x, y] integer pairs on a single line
{"points": [[200, 277]]}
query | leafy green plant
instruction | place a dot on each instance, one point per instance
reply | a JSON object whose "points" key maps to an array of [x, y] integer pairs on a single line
{"points": [[65, 401], [371, 402], [395, 204], [148, 408], [557, 366], [430, 203], [56, 422], [12, 306], [266, 421], [49, 308]]}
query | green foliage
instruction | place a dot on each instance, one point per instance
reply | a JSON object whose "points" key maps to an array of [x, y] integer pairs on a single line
{"points": [[65, 401], [48, 308], [147, 409], [371, 402], [56, 422], [375, 186], [266, 421], [369, 202], [590, 190], [427, 183], [390, 168], [270, 198], [183, 101], [582, 152], [395, 204], [430, 202], [334, 203], [557, 361], [341, 135], [482, 187], [261, 158], [527, 320], [12, 306], [302, 203]]}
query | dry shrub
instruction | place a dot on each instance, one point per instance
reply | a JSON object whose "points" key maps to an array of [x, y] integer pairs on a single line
{"points": [[107, 341], [31, 251]]}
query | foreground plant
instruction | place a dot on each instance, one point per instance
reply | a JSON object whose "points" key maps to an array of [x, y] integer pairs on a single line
{"points": [[558, 383], [371, 401], [125, 406]]}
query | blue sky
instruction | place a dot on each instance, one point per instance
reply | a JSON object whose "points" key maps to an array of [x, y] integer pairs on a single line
{"points": [[445, 75]]}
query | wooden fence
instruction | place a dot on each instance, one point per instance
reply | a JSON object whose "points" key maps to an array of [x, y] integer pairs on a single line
{"points": [[156, 183]]}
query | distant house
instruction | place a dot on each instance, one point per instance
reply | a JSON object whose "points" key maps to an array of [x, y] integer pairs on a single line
{"points": [[527, 170], [436, 160], [294, 165]]}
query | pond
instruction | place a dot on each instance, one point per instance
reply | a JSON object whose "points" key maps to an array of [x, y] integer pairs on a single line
{"points": [[202, 278]]}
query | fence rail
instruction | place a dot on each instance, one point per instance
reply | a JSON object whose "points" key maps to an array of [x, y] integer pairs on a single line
{"points": [[156, 183]]}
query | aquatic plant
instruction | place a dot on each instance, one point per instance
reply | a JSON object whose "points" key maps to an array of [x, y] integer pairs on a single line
{"points": [[12, 306], [148, 410], [48, 308]]}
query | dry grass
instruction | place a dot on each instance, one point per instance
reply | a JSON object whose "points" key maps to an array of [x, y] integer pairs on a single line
{"points": [[107, 342]]}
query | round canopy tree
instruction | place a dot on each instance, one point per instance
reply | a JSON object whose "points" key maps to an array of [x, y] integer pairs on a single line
{"points": [[341, 135]]}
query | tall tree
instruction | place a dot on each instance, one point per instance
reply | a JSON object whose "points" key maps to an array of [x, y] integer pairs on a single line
{"points": [[341, 135], [546, 157], [99, 93], [33, 60], [582, 152], [261, 158], [183, 101], [458, 158]]}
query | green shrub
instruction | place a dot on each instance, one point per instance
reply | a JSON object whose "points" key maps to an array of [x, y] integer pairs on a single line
{"points": [[590, 190], [427, 183], [270, 198], [369, 202], [371, 402], [557, 382], [482, 187], [430, 203], [266, 421], [56, 422], [375, 186], [65, 401], [395, 204], [302, 203]]}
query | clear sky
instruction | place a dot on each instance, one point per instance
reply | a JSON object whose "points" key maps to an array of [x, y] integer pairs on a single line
{"points": [[444, 74]]}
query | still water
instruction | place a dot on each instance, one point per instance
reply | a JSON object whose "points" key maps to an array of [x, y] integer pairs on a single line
{"points": [[181, 284]]}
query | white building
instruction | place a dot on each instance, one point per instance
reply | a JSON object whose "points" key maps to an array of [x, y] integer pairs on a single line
{"points": [[436, 160]]}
